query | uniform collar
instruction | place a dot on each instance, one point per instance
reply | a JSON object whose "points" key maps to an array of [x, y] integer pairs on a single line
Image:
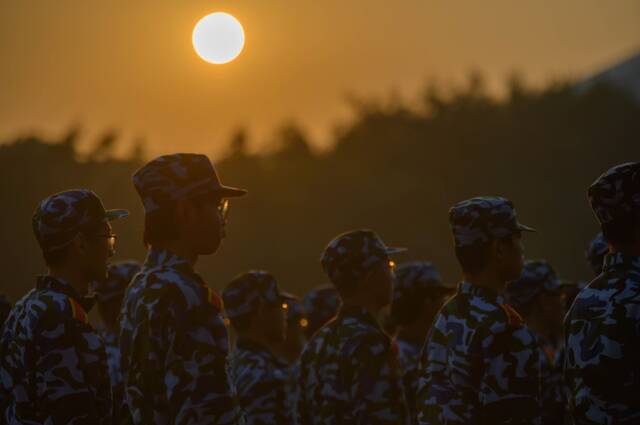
{"points": [[60, 285], [248, 344], [359, 313], [160, 257], [620, 261], [488, 294]]}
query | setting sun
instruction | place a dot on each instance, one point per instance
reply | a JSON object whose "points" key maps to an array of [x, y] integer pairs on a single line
{"points": [[218, 38]]}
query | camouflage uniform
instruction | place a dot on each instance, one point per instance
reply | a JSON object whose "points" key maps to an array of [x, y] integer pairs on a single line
{"points": [[173, 340], [601, 329], [349, 370], [480, 363], [119, 275], [537, 277], [596, 252], [53, 366], [258, 375], [321, 304], [415, 282]]}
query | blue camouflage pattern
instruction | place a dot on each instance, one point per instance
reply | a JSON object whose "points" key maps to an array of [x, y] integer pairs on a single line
{"points": [[409, 359], [616, 193], [480, 363], [53, 366], [598, 248], [119, 275], [537, 277], [176, 177], [247, 291], [261, 380], [349, 374], [174, 347], [482, 219], [350, 256], [60, 217], [602, 330]]}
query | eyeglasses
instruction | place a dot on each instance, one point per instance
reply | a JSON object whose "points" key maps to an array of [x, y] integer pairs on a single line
{"points": [[111, 239], [223, 209]]}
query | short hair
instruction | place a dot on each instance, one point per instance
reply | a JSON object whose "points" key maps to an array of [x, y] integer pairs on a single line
{"points": [[160, 224]]}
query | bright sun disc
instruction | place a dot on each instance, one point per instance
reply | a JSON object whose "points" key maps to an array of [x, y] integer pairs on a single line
{"points": [[218, 38]]}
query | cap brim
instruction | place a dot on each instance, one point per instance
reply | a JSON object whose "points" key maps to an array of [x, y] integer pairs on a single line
{"points": [[230, 192], [523, 228], [111, 215], [394, 250]]}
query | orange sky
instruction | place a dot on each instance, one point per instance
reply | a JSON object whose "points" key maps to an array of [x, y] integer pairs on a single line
{"points": [[130, 64]]}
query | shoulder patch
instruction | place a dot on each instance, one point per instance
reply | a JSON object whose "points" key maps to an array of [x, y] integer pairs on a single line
{"points": [[513, 317], [78, 312], [214, 299]]}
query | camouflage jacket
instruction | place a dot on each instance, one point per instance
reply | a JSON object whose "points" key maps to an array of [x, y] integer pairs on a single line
{"points": [[112, 349], [174, 345], [409, 356], [349, 374], [261, 381], [53, 367], [602, 331], [480, 364], [551, 396]]}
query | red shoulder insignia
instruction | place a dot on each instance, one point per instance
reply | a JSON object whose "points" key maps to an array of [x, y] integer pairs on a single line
{"points": [[513, 317], [78, 312], [214, 299]]}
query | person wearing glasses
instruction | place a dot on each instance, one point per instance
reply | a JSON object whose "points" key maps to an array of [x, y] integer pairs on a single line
{"points": [[173, 340], [109, 293], [256, 309], [349, 370], [53, 366]]}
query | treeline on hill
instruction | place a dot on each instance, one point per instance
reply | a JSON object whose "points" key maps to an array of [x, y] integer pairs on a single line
{"points": [[392, 169]]}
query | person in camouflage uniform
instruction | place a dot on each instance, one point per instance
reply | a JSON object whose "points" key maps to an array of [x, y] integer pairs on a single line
{"points": [[418, 295], [321, 304], [538, 297], [349, 372], [5, 308], [254, 306], [53, 366], [480, 363], [597, 250], [173, 340], [109, 293], [602, 328]]}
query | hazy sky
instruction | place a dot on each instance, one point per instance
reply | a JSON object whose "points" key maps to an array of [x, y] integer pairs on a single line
{"points": [[130, 65]]}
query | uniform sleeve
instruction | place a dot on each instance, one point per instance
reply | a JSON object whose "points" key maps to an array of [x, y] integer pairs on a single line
{"points": [[71, 373], [196, 380], [261, 393], [376, 387]]}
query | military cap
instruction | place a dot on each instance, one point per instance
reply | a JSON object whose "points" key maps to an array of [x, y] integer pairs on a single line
{"points": [[60, 217], [247, 291], [481, 219], [118, 277], [321, 304], [616, 193], [351, 255], [295, 310], [179, 176], [537, 277], [596, 252]]}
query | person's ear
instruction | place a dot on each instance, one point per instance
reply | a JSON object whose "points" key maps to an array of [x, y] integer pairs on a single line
{"points": [[79, 245], [182, 211]]}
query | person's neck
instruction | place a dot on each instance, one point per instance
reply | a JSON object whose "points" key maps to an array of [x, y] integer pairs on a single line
{"points": [[538, 327], [486, 279], [632, 250], [73, 277], [180, 248], [415, 332], [360, 302], [255, 335]]}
